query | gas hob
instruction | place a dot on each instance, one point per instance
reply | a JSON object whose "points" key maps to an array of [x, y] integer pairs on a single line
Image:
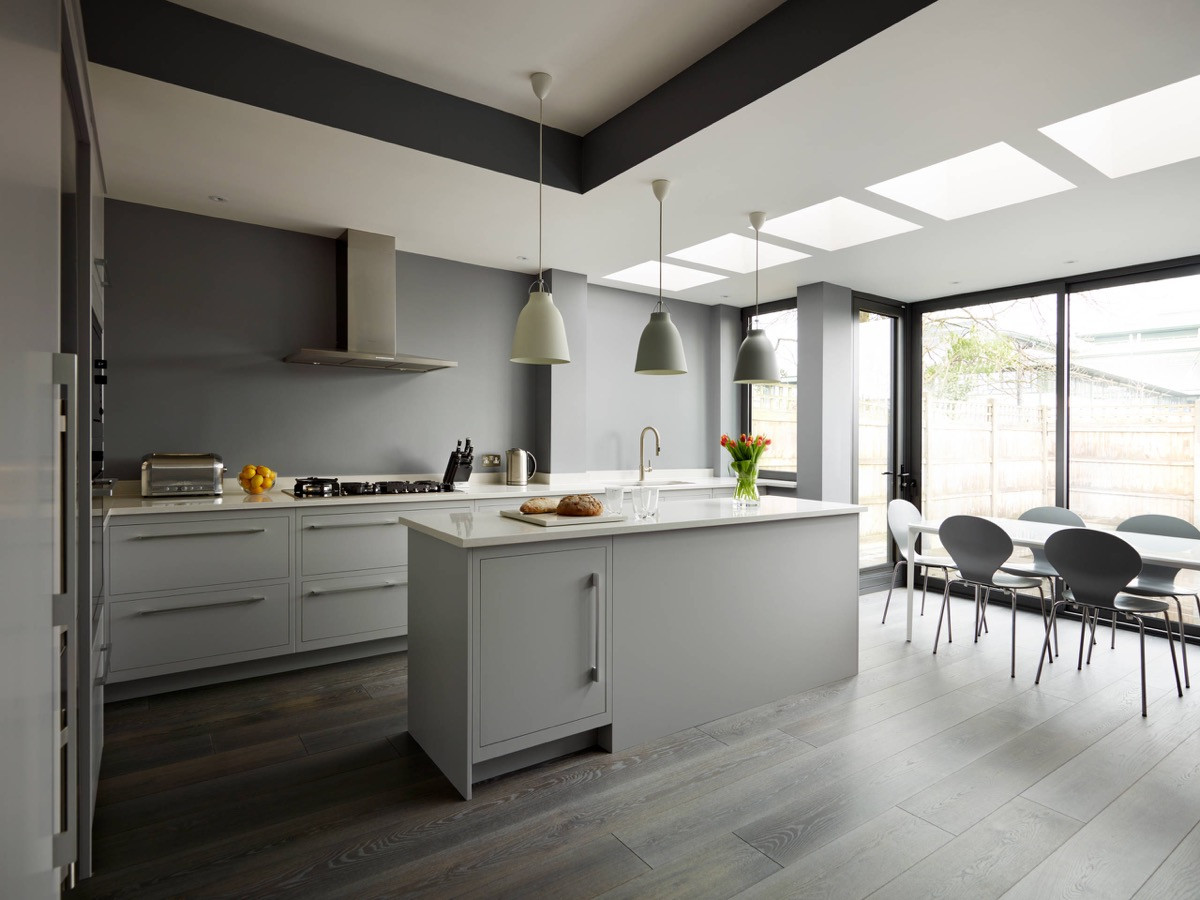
{"points": [[315, 488]]}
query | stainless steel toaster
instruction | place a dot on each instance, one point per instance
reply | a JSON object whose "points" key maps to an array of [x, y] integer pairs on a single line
{"points": [[172, 474]]}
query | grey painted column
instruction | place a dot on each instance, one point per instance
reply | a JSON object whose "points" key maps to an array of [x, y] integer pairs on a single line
{"points": [[561, 403], [825, 392], [724, 416]]}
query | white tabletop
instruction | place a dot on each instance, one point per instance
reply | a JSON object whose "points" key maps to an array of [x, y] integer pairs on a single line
{"points": [[488, 528]]}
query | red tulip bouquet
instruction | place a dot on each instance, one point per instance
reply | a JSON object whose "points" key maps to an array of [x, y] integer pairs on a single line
{"points": [[746, 451]]}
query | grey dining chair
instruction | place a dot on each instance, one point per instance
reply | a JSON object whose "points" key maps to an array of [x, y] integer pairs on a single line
{"points": [[1159, 581], [1096, 566], [979, 548], [1040, 567], [901, 514]]}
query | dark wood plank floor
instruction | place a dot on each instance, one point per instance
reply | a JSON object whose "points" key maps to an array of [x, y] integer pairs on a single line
{"points": [[922, 776]]}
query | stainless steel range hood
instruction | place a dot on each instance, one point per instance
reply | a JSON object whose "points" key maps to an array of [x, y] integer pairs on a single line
{"points": [[366, 324]]}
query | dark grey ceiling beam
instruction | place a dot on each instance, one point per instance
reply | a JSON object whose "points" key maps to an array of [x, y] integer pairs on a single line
{"points": [[787, 42], [171, 43], [177, 45]]}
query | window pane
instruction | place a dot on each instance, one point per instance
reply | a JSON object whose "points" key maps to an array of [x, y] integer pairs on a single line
{"points": [[988, 408], [875, 366], [1135, 386], [773, 406]]}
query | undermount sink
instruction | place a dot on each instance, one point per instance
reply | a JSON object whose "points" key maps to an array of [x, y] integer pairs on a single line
{"points": [[650, 482]]}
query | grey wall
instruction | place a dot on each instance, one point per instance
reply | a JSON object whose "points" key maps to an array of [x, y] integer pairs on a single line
{"points": [[201, 312], [620, 403], [825, 406]]}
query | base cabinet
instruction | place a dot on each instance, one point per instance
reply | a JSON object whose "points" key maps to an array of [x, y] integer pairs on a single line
{"points": [[516, 656], [541, 642]]}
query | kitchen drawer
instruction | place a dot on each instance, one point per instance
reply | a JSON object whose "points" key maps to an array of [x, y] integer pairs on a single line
{"points": [[163, 557], [159, 630], [352, 541], [359, 607]]}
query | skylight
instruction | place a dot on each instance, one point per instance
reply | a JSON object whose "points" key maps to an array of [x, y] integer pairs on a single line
{"points": [[674, 278], [1144, 132], [735, 253], [837, 223], [988, 178]]}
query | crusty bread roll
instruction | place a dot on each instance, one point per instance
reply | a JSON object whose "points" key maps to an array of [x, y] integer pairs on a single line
{"points": [[538, 505], [580, 505]]}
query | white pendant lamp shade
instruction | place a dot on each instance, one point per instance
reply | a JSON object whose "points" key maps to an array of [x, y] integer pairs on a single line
{"points": [[541, 337], [756, 362], [660, 350]]}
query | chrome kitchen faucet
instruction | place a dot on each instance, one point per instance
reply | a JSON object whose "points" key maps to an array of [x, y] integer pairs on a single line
{"points": [[644, 464]]}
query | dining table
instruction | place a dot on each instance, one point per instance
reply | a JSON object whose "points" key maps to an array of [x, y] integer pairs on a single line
{"points": [[1154, 549]]}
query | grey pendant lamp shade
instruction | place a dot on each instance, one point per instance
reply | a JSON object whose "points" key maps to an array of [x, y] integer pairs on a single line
{"points": [[660, 350], [541, 337], [756, 363]]}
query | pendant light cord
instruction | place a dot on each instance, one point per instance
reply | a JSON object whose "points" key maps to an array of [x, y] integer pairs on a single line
{"points": [[660, 253], [541, 283], [755, 273]]}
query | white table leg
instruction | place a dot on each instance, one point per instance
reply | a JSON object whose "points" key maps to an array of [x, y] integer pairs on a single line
{"points": [[912, 577]]}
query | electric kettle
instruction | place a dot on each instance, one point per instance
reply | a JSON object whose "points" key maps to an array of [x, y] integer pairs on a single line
{"points": [[521, 466]]}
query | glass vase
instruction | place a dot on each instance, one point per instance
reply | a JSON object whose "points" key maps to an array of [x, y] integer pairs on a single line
{"points": [[745, 492]]}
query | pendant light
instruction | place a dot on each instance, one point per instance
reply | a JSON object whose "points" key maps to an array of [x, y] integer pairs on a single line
{"points": [[756, 363], [660, 351], [541, 337]]}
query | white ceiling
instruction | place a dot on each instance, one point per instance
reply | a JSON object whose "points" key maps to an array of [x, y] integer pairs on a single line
{"points": [[955, 77]]}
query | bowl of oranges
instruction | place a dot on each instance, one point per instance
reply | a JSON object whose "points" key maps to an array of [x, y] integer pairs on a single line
{"points": [[256, 479]]}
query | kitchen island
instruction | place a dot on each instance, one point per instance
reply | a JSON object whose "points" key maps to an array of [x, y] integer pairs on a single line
{"points": [[526, 642]]}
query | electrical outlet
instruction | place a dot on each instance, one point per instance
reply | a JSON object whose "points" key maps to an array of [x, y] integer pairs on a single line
{"points": [[491, 460]]}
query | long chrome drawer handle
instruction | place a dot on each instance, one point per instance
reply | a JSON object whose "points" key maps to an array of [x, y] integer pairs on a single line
{"points": [[596, 672], [154, 611], [317, 525], [179, 534], [317, 592]]}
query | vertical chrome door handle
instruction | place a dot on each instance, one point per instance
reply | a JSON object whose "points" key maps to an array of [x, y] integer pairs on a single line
{"points": [[598, 588]]}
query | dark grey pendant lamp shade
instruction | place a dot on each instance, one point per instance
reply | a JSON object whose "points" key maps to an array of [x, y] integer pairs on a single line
{"points": [[660, 350], [541, 337], [756, 362]]}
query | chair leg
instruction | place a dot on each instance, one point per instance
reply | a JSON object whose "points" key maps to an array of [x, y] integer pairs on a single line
{"points": [[1083, 627], [1112, 627], [924, 589], [977, 620], [1042, 603], [1171, 644], [1092, 642], [1187, 679], [1142, 638], [1056, 589], [943, 615], [983, 617], [891, 587], [1046, 644], [1012, 595]]}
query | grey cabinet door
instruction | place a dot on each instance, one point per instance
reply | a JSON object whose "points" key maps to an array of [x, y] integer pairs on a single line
{"points": [[541, 632]]}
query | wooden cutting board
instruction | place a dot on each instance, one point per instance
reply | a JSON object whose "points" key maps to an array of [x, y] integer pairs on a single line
{"points": [[552, 520]]}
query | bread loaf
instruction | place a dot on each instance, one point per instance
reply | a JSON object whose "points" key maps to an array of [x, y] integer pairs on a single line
{"points": [[580, 505], [539, 505]]}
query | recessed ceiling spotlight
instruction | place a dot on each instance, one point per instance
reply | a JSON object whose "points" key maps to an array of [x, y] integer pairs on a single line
{"points": [[1070, 262], [989, 178], [1144, 132], [217, 198], [523, 258], [956, 282]]}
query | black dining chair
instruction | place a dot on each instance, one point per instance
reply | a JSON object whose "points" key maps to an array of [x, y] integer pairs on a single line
{"points": [[1096, 566], [1159, 581], [1040, 567], [979, 548]]}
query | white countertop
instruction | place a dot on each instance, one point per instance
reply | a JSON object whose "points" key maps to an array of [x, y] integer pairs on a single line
{"points": [[127, 500], [488, 528]]}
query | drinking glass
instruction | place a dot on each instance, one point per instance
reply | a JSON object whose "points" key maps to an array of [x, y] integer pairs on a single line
{"points": [[645, 502], [614, 500]]}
